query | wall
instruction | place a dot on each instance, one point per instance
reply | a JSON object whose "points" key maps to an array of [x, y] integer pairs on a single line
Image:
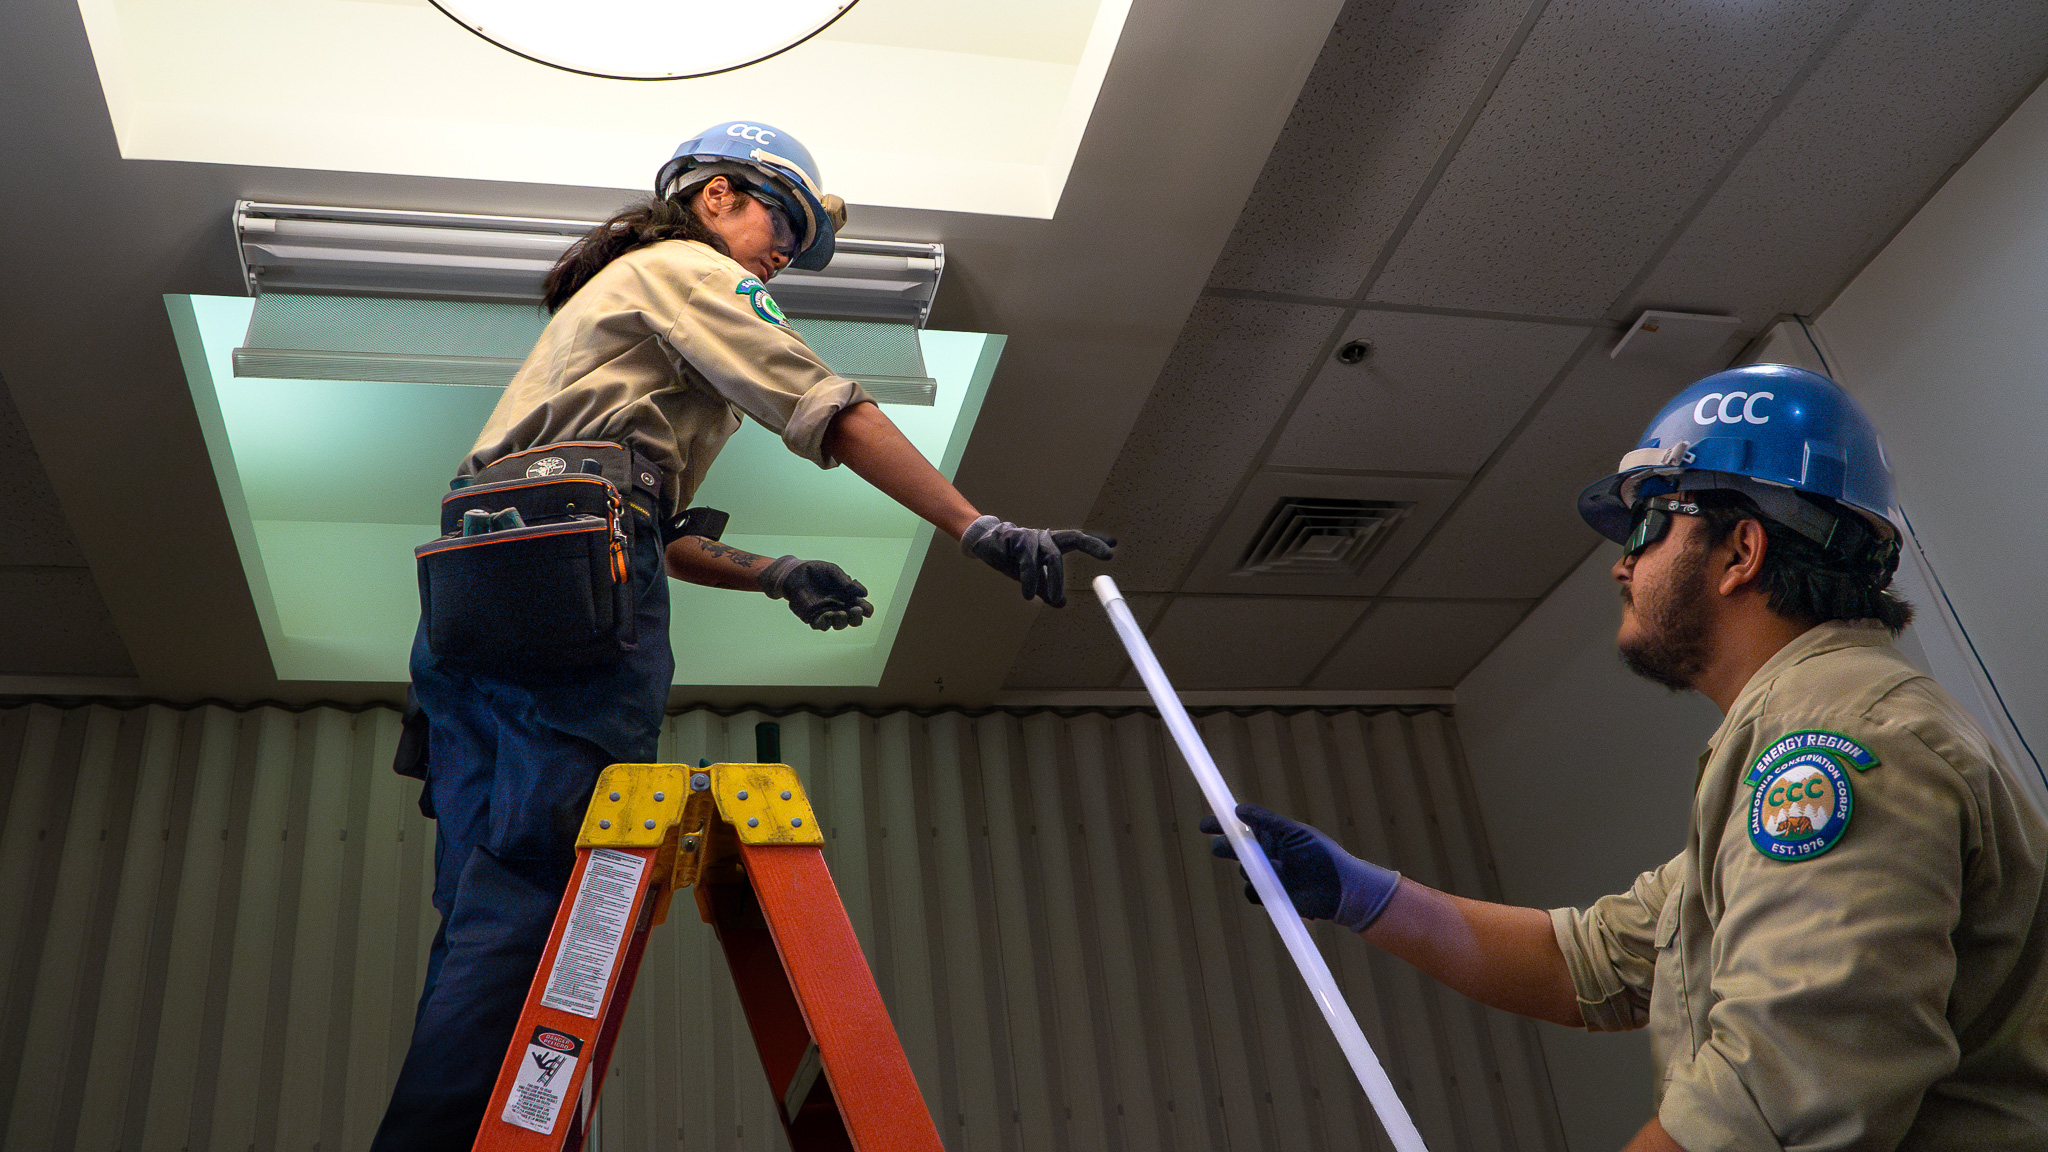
{"points": [[1554, 727], [1941, 339], [212, 925]]}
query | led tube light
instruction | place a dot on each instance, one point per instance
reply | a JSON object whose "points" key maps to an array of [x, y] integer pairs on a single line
{"points": [[1379, 1089]]}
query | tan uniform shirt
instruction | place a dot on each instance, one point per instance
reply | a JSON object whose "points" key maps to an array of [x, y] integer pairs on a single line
{"points": [[1830, 971], [662, 351]]}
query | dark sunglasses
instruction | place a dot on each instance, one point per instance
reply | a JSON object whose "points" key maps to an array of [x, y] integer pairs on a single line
{"points": [[785, 226], [1653, 520]]}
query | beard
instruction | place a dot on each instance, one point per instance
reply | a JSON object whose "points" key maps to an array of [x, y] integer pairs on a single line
{"points": [[1670, 647]]}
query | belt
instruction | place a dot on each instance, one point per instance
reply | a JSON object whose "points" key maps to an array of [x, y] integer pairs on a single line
{"points": [[638, 479]]}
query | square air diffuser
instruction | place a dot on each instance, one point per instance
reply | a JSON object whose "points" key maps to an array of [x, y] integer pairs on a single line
{"points": [[1320, 536]]}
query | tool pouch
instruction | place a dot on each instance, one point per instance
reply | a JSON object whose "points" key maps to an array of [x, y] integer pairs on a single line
{"points": [[554, 592]]}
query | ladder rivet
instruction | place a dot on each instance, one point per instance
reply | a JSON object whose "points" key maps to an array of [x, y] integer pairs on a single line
{"points": [[658, 797], [615, 797], [689, 843], [604, 823], [796, 821], [753, 821], [743, 795], [700, 781], [785, 795], [650, 824]]}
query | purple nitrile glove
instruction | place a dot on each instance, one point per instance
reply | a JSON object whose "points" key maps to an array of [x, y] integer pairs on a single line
{"points": [[1324, 881]]}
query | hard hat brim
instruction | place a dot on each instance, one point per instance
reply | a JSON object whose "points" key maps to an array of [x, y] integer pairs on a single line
{"points": [[805, 210]]}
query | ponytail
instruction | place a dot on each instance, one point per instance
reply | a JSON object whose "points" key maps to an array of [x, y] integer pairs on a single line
{"points": [[637, 225]]}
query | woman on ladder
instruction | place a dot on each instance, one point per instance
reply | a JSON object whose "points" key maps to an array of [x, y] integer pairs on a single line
{"points": [[663, 334]]}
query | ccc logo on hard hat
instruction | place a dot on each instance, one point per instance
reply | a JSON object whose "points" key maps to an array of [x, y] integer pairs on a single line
{"points": [[1733, 408], [751, 132]]}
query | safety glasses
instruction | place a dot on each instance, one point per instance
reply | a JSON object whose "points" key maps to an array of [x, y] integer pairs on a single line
{"points": [[1653, 520], [778, 215]]}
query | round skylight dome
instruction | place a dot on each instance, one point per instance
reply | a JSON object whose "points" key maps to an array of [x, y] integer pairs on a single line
{"points": [[645, 39]]}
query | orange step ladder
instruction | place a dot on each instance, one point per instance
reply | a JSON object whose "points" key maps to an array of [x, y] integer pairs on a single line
{"points": [[745, 836]]}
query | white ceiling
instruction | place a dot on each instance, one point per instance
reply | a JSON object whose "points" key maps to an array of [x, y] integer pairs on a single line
{"points": [[1487, 191], [965, 105]]}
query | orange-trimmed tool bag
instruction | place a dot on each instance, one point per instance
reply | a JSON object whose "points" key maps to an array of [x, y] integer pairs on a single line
{"points": [[529, 575]]}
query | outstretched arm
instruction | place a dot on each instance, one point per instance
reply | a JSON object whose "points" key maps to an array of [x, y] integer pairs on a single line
{"points": [[699, 561], [864, 439], [1496, 954], [867, 441], [818, 591]]}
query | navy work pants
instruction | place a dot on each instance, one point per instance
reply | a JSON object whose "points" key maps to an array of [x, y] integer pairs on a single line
{"points": [[511, 763]]}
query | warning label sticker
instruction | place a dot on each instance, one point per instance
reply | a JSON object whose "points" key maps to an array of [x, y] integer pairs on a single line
{"points": [[546, 1079], [598, 924]]}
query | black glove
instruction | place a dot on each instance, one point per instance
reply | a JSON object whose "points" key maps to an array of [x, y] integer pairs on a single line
{"points": [[1032, 556], [1324, 881], [819, 592]]}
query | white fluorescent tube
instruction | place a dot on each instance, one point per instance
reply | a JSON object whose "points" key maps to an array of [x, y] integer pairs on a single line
{"points": [[1373, 1078]]}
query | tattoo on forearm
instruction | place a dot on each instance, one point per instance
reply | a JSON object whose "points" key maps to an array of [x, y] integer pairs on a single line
{"points": [[728, 552]]}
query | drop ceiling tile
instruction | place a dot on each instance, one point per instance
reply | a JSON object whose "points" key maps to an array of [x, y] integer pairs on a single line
{"points": [[1383, 101], [1075, 647], [1613, 120], [1905, 95], [1236, 366], [56, 624], [1517, 530], [1420, 643], [1437, 394], [1207, 642]]}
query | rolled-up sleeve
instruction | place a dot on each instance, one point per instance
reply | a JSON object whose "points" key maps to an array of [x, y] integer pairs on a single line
{"points": [[760, 367], [1830, 976], [1610, 950]]}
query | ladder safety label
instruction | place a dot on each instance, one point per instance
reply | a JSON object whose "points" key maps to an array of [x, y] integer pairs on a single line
{"points": [[598, 925], [545, 1079]]}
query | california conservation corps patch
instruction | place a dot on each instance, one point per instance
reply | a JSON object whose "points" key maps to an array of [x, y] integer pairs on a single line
{"points": [[764, 305], [1848, 750], [1801, 806]]}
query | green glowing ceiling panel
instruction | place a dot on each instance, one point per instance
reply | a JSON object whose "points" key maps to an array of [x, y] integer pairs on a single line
{"points": [[329, 484]]}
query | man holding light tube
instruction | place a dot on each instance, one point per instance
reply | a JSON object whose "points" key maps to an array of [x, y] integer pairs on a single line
{"points": [[1851, 951]]}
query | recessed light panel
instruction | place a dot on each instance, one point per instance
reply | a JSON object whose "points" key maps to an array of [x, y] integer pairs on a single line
{"points": [[645, 39]]}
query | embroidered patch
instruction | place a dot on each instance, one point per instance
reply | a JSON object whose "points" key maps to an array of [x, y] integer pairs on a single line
{"points": [[1844, 749], [764, 305], [1801, 807]]}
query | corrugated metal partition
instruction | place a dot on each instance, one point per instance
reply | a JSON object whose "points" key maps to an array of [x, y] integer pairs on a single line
{"points": [[212, 926]]}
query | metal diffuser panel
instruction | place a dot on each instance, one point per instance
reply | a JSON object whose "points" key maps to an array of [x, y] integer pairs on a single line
{"points": [[1321, 536]]}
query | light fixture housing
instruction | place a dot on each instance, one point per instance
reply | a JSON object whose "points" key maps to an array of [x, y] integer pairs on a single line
{"points": [[444, 298], [645, 39], [453, 256]]}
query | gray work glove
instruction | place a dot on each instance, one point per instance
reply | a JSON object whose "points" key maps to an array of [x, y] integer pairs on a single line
{"points": [[819, 592], [1032, 556], [1324, 881]]}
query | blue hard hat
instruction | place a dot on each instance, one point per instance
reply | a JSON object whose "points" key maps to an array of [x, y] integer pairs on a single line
{"points": [[790, 179], [1766, 430]]}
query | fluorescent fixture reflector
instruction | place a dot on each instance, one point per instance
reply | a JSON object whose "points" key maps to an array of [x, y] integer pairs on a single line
{"points": [[453, 256], [645, 39]]}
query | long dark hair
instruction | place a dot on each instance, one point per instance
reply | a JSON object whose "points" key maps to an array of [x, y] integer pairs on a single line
{"points": [[637, 225]]}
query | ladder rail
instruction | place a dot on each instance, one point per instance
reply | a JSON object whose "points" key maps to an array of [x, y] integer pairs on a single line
{"points": [[811, 1002]]}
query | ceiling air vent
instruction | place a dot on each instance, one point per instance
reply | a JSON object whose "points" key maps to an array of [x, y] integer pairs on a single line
{"points": [[1320, 536]]}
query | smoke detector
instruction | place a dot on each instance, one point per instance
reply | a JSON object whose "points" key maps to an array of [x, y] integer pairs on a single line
{"points": [[1320, 536]]}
